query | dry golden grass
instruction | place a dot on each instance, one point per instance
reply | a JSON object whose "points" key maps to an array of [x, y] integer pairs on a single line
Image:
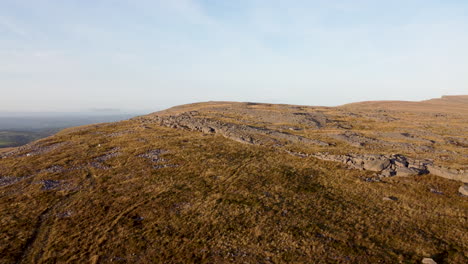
{"points": [[224, 202]]}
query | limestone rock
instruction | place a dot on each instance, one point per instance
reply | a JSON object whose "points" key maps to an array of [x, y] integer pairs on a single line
{"points": [[463, 190], [458, 175], [386, 165], [238, 132], [405, 171], [377, 164], [428, 261]]}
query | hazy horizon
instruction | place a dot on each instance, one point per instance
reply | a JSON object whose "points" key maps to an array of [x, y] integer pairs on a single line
{"points": [[91, 112], [143, 56]]}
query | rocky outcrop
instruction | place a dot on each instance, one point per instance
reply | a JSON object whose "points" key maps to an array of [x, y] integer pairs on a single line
{"points": [[33, 149], [354, 139], [238, 132], [358, 140], [452, 174], [386, 165], [281, 115], [394, 165]]}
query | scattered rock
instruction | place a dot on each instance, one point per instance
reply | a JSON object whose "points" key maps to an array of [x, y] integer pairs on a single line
{"points": [[394, 165], [372, 179], [428, 261], [390, 198], [54, 169], [354, 139], [8, 180], [56, 185], [154, 155], [238, 132], [459, 142], [33, 149], [162, 166], [433, 190], [405, 171], [111, 154], [297, 154], [98, 165], [463, 190], [120, 133], [65, 214], [48, 185], [452, 174], [358, 140], [386, 165], [138, 218]]}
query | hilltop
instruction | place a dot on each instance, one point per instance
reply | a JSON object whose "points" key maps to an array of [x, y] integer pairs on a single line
{"points": [[222, 182]]}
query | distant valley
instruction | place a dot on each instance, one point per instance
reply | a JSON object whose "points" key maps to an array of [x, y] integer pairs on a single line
{"points": [[17, 129]]}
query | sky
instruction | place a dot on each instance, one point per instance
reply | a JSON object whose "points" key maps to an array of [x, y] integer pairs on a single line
{"points": [[76, 55]]}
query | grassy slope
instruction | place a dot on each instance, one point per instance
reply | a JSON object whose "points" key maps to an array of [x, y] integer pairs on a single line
{"points": [[226, 202]]}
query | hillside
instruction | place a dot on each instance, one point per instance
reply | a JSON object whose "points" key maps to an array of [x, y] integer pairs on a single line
{"points": [[228, 182]]}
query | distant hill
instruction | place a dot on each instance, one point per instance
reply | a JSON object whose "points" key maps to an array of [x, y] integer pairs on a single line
{"points": [[446, 104], [232, 182]]}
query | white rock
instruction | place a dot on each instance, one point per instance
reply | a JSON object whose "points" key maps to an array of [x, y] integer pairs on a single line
{"points": [[463, 190], [428, 261]]}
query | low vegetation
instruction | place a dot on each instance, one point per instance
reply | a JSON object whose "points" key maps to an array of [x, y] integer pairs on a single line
{"points": [[137, 191]]}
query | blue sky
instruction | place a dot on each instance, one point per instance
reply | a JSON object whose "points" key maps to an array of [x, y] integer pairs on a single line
{"points": [[64, 55]]}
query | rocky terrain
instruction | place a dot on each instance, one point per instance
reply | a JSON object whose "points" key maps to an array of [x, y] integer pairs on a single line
{"points": [[222, 182], [256, 124]]}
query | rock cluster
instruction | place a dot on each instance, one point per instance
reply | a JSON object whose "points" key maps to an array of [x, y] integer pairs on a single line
{"points": [[394, 165], [354, 139], [111, 154], [238, 132], [386, 165], [155, 157], [358, 140], [32, 150]]}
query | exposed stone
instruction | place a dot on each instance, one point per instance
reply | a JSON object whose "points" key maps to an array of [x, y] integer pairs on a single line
{"points": [[238, 132], [405, 171], [33, 149], [433, 190], [463, 190], [452, 174], [428, 261], [361, 141], [377, 164], [354, 139], [111, 154], [98, 165], [153, 155], [394, 165], [9, 180], [53, 169], [387, 165], [48, 185]]}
